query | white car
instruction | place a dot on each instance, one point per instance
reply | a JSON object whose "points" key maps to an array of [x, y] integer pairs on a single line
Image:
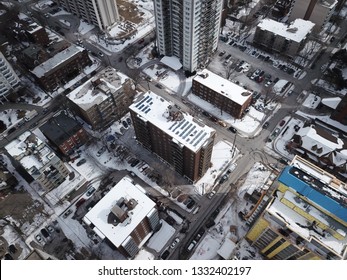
{"points": [[174, 243], [211, 194]]}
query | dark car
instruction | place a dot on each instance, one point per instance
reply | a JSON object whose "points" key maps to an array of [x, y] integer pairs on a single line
{"points": [[282, 122], [206, 114], [8, 257], [232, 129], [276, 80], [82, 161], [129, 121], [190, 204], [171, 221], [159, 86], [165, 255], [223, 179], [266, 124], [222, 53], [80, 202], [134, 163], [44, 233], [12, 249], [125, 124], [228, 56]]}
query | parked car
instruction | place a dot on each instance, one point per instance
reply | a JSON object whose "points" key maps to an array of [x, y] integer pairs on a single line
{"points": [[80, 162], [38, 238], [134, 163], [125, 124], [165, 255], [266, 124], [44, 233], [191, 246], [174, 243], [211, 194], [222, 53], [223, 179], [232, 129], [80, 202], [50, 229], [101, 151], [67, 213], [282, 122], [90, 191]]}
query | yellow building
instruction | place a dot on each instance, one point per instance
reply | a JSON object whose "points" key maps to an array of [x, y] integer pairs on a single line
{"points": [[304, 218]]}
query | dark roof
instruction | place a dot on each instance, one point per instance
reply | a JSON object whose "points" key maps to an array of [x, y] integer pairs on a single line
{"points": [[60, 128]]}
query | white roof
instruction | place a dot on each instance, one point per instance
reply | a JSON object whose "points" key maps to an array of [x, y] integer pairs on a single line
{"points": [[59, 58], [172, 61], [186, 131], [227, 248], [310, 137], [19, 148], [296, 31], [331, 102], [98, 215], [86, 95], [223, 86]]}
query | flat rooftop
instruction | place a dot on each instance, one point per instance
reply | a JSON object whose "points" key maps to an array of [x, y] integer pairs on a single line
{"points": [[184, 129], [30, 151], [296, 31], [99, 214], [45, 67], [223, 86], [87, 95]]}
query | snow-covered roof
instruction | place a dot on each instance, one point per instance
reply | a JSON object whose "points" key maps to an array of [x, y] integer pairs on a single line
{"points": [[223, 86], [331, 102], [88, 95], [184, 129], [227, 248], [30, 151], [296, 31], [172, 61], [320, 143], [40, 70], [99, 214]]}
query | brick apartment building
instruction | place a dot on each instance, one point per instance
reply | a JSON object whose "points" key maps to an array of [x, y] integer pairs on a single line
{"points": [[182, 141], [65, 133], [61, 68], [103, 99], [222, 93]]}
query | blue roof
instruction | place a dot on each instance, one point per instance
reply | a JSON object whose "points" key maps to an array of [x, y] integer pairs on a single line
{"points": [[313, 193]]}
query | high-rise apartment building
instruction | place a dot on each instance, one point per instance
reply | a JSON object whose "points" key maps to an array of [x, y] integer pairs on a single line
{"points": [[178, 138], [305, 217], [101, 13], [9, 80], [317, 11], [188, 29]]}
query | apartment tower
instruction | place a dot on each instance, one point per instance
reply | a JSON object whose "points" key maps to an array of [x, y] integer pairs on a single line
{"points": [[188, 29], [175, 136], [101, 13], [9, 80]]}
